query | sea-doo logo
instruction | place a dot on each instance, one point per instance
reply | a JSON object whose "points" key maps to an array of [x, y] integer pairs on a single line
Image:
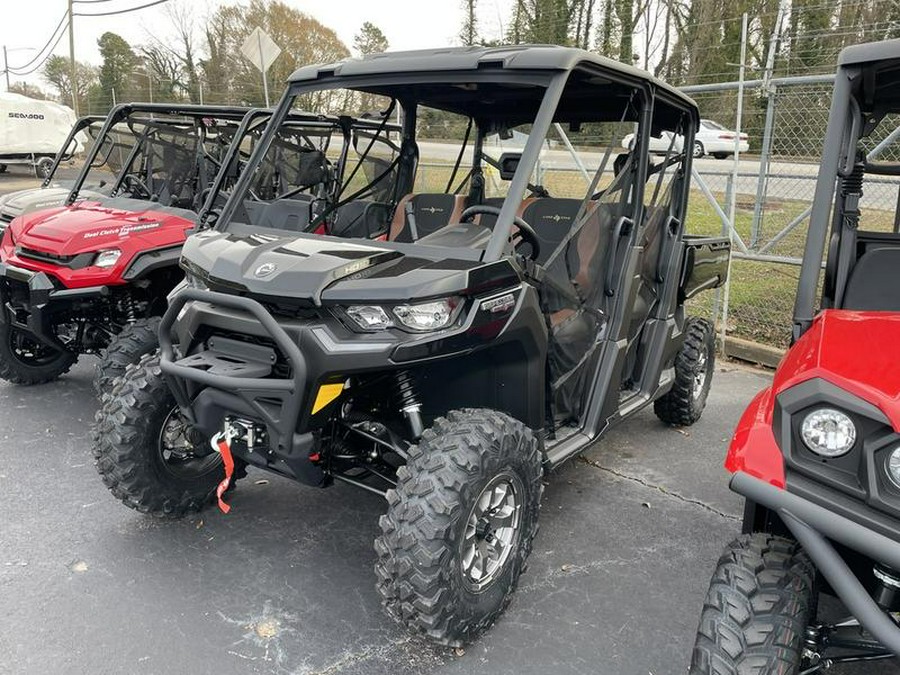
{"points": [[265, 269], [433, 209], [26, 116], [556, 218]]}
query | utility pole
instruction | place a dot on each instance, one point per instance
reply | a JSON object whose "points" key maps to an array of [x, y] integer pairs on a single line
{"points": [[6, 67], [74, 74]]}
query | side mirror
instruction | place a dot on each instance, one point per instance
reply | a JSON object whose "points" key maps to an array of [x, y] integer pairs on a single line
{"points": [[509, 162]]}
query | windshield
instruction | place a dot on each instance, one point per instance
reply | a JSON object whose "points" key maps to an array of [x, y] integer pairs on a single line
{"points": [[491, 141]]}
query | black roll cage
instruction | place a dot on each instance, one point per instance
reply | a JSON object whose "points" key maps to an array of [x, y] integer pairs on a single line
{"points": [[553, 81], [123, 111]]}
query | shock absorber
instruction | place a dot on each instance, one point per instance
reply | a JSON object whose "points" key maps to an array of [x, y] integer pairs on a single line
{"points": [[408, 401], [128, 306]]}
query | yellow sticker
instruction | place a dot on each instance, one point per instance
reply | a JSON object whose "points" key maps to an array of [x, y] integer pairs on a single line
{"points": [[327, 393]]}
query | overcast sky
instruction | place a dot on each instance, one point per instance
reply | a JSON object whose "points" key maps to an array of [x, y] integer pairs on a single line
{"points": [[408, 24]]}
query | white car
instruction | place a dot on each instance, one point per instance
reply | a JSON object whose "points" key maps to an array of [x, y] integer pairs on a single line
{"points": [[711, 139]]}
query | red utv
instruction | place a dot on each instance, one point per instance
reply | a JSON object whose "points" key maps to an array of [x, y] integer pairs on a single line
{"points": [[75, 277], [817, 454], [92, 277]]}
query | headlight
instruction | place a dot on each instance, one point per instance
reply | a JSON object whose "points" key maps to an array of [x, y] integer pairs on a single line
{"points": [[427, 315], [828, 432], [107, 258], [893, 466], [369, 317], [421, 317]]}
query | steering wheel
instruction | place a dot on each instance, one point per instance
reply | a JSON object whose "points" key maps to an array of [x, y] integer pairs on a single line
{"points": [[130, 179], [526, 232]]}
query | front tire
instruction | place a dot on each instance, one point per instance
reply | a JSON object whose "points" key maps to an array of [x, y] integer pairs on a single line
{"points": [[759, 603], [695, 364], [460, 525], [699, 150], [132, 343], [144, 457], [25, 360]]}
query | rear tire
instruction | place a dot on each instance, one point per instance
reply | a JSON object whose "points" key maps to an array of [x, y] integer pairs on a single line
{"points": [[24, 360], [695, 364], [759, 603], [460, 525], [132, 433], [133, 342]]}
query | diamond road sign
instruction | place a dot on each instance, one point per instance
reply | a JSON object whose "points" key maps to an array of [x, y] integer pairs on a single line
{"points": [[260, 49]]}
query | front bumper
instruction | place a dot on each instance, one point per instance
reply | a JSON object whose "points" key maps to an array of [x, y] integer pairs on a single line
{"points": [[813, 526], [29, 300]]}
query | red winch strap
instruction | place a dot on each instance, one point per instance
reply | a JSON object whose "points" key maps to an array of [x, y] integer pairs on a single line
{"points": [[225, 451]]}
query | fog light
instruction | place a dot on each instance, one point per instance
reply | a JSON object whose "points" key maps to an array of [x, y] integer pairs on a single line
{"points": [[893, 466], [828, 432]]}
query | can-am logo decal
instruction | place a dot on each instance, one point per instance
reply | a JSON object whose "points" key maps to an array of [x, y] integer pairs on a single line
{"points": [[122, 231], [26, 116], [265, 269]]}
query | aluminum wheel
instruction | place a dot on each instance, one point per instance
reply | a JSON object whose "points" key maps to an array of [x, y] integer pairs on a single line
{"points": [[491, 531], [701, 375], [179, 455]]}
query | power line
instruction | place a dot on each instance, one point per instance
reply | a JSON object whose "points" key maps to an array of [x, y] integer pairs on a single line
{"points": [[43, 49], [119, 11], [34, 64]]}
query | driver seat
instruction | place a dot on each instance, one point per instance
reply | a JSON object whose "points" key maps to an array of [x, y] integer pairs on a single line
{"points": [[430, 210]]}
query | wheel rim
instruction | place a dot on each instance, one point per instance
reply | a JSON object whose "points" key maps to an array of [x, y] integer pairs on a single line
{"points": [[491, 531], [30, 351], [698, 150], [701, 375], [178, 454]]}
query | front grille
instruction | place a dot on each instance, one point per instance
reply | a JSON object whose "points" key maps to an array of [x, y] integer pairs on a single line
{"points": [[43, 256], [6, 218]]}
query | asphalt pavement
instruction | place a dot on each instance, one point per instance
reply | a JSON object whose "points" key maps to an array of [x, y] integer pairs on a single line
{"points": [[284, 583]]}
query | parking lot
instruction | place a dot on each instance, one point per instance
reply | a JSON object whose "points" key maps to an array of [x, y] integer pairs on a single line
{"points": [[284, 584]]}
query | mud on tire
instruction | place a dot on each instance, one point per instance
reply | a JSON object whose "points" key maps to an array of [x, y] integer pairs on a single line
{"points": [[695, 364], [128, 453], [23, 360], [759, 603], [426, 539], [133, 342]]}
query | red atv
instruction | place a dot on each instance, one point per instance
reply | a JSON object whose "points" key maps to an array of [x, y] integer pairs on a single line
{"points": [[91, 276], [817, 454]]}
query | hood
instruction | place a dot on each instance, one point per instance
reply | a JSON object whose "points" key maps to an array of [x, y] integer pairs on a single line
{"points": [[319, 269], [34, 199], [852, 350], [92, 226]]}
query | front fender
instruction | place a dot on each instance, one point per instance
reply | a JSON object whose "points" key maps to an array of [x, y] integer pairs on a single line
{"points": [[753, 448]]}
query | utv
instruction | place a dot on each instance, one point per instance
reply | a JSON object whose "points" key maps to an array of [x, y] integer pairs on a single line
{"points": [[817, 454], [487, 339], [92, 277], [53, 192]]}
